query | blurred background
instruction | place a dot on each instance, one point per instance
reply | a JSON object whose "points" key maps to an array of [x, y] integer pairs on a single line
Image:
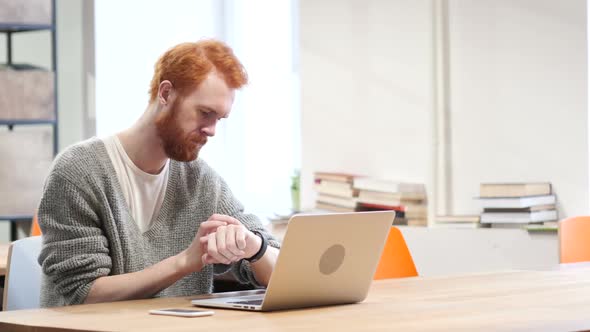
{"points": [[450, 94]]}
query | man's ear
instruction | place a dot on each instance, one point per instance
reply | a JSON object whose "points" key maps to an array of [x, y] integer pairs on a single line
{"points": [[165, 92]]}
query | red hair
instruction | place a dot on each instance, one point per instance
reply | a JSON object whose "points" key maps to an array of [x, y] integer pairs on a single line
{"points": [[186, 65]]}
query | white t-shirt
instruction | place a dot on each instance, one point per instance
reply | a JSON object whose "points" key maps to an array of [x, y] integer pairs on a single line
{"points": [[143, 192]]}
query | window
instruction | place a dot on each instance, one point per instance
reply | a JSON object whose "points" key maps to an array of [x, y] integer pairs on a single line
{"points": [[257, 149]]}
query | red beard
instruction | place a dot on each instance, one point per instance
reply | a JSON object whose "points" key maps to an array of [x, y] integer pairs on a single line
{"points": [[177, 146]]}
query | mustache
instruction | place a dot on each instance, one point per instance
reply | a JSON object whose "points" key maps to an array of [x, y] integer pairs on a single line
{"points": [[199, 140]]}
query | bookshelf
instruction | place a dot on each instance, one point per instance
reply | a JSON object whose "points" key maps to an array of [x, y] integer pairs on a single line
{"points": [[28, 112]]}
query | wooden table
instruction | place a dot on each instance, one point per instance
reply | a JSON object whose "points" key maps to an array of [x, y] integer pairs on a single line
{"points": [[515, 300], [3, 259]]}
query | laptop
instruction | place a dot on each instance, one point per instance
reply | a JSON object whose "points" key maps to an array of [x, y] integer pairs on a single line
{"points": [[325, 259]]}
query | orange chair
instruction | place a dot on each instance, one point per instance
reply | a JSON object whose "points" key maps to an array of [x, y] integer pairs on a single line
{"points": [[574, 240], [35, 229], [396, 260]]}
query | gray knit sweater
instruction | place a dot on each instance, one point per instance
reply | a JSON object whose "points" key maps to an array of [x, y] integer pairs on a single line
{"points": [[88, 231]]}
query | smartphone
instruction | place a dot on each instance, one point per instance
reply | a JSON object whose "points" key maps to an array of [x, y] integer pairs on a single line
{"points": [[182, 312]]}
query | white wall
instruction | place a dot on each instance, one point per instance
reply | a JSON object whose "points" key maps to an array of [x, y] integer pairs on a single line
{"points": [[518, 98], [441, 251], [519, 105], [366, 89]]}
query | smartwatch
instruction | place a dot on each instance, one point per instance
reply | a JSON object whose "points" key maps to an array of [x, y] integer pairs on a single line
{"points": [[262, 250]]}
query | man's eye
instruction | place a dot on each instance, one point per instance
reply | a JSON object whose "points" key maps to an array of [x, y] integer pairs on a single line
{"points": [[209, 114]]}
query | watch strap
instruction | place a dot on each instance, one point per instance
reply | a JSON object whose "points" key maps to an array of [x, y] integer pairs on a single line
{"points": [[262, 250]]}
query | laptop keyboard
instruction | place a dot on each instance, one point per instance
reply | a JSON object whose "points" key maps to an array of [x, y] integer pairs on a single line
{"points": [[251, 302]]}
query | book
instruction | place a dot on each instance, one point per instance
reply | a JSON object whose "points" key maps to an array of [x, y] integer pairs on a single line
{"points": [[460, 225], [511, 225], [380, 207], [458, 219], [332, 208], [519, 217], [338, 177], [514, 189], [530, 227], [406, 211], [516, 202], [412, 208], [382, 198], [387, 186], [399, 213], [540, 228], [526, 209], [334, 185], [335, 190], [339, 201], [415, 211]]}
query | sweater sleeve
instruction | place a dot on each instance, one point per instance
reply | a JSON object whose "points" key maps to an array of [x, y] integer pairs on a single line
{"points": [[75, 251], [229, 205]]}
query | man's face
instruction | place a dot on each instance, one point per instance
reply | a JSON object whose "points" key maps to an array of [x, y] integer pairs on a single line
{"points": [[186, 124]]}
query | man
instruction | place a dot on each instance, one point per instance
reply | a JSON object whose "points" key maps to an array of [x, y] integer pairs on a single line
{"points": [[137, 214]]}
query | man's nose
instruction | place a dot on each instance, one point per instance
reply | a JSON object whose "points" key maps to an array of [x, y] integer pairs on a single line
{"points": [[209, 130]]}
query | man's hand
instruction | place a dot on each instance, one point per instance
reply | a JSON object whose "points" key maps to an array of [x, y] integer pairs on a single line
{"points": [[151, 280], [228, 243], [192, 257]]}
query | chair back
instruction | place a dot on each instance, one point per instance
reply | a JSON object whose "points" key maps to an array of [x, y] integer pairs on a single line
{"points": [[22, 284], [35, 229], [574, 240], [396, 260]]}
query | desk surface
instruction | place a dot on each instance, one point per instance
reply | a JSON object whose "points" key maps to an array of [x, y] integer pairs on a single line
{"points": [[3, 258], [513, 300]]}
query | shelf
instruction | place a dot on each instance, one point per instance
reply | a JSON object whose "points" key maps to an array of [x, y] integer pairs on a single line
{"points": [[16, 218], [20, 27], [26, 122], [12, 123], [28, 110], [21, 67]]}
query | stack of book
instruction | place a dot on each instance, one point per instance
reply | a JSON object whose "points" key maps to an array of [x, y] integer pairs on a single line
{"points": [[407, 199], [518, 205], [335, 192], [458, 221]]}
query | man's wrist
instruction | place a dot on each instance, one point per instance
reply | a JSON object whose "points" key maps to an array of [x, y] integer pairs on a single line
{"points": [[186, 265], [263, 241]]}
